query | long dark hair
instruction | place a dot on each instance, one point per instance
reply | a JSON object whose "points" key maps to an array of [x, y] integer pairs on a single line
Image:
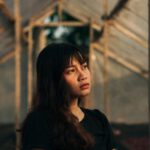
{"points": [[52, 95]]}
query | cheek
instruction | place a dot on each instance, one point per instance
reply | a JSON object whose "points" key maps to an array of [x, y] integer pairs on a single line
{"points": [[72, 86], [89, 76], [70, 81]]}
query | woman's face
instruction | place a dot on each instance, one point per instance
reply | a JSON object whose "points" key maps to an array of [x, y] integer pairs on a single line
{"points": [[78, 79]]}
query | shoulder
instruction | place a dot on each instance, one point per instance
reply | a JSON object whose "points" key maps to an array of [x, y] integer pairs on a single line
{"points": [[97, 115], [106, 125], [35, 130], [35, 120], [33, 116], [95, 112], [29, 119]]}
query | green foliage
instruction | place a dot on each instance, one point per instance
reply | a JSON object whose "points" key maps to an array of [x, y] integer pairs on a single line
{"points": [[75, 35]]}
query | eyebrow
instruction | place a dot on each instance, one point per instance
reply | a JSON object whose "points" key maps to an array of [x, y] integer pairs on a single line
{"points": [[75, 65], [70, 66]]}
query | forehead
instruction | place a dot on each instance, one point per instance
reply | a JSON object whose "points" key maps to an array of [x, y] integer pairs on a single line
{"points": [[74, 61]]}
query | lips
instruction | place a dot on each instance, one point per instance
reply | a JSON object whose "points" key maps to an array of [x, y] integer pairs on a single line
{"points": [[86, 85]]}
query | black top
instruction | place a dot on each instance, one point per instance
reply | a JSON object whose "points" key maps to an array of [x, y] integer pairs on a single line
{"points": [[35, 130]]}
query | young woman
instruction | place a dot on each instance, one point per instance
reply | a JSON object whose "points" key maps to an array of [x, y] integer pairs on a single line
{"points": [[57, 121]]}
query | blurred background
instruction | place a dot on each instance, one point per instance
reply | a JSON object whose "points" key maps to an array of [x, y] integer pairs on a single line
{"points": [[114, 36]]}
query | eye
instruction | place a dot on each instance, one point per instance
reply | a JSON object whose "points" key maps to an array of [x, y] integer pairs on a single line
{"points": [[69, 71], [85, 66]]}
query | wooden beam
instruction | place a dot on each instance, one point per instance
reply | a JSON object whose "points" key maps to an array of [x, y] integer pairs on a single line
{"points": [[106, 62], [76, 13], [39, 20], [7, 56], [44, 16], [88, 103], [149, 79], [42, 40], [61, 23], [96, 26], [131, 35], [2, 3], [46, 12], [149, 73], [121, 61], [6, 11], [55, 24], [59, 10], [91, 37], [30, 65], [17, 70]]}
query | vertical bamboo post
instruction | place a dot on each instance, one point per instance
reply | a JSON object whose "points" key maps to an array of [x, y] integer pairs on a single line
{"points": [[30, 47], [91, 36], [17, 69], [90, 45], [41, 43], [60, 9], [42, 40], [106, 77], [149, 79]]}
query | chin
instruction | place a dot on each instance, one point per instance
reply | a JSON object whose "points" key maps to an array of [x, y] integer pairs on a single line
{"points": [[85, 93]]}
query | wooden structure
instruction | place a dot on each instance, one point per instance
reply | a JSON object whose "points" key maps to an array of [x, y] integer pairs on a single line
{"points": [[104, 18]]}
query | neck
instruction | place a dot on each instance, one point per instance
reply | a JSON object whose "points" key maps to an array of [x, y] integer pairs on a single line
{"points": [[74, 105], [75, 109]]}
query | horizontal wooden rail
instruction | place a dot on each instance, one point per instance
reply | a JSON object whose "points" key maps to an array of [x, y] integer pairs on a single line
{"points": [[121, 61]]}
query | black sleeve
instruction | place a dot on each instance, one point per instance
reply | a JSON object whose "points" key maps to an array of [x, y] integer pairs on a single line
{"points": [[32, 135], [111, 141], [111, 138]]}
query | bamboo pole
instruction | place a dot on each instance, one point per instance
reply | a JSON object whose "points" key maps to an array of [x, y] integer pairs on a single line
{"points": [[17, 69], [121, 61], [7, 56], [149, 79], [55, 24], [105, 71], [96, 26], [39, 20], [63, 23], [30, 65], [5, 10], [45, 12], [46, 15], [1, 3], [91, 36], [42, 40], [59, 10], [131, 35]]}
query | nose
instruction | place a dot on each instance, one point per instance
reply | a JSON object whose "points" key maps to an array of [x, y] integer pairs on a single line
{"points": [[82, 75]]}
